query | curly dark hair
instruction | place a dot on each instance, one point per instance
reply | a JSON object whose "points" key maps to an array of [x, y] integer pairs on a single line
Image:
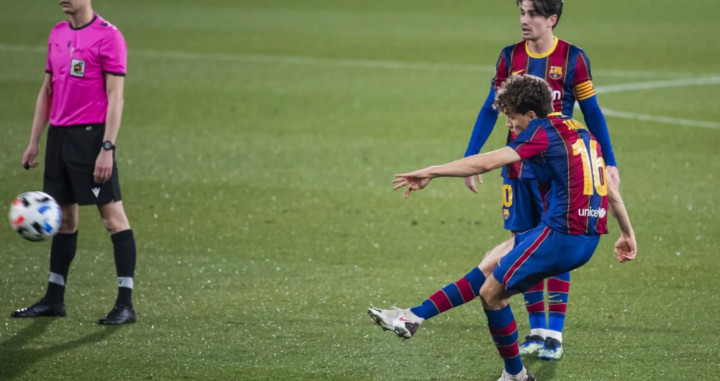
{"points": [[521, 94], [547, 8]]}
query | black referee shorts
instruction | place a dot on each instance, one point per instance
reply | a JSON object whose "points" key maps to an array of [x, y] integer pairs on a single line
{"points": [[70, 156]]}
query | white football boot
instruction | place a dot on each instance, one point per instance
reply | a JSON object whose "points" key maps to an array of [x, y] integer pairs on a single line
{"points": [[401, 321]]}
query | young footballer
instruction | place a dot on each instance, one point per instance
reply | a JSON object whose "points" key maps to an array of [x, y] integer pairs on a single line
{"points": [[568, 165], [566, 68]]}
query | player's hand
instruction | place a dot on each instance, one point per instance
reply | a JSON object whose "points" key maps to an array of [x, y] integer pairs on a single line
{"points": [[28, 158], [625, 248], [414, 180], [103, 167], [613, 174], [470, 182]]}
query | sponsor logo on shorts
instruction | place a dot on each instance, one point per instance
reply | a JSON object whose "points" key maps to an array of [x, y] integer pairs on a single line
{"points": [[96, 191], [77, 68], [590, 212]]}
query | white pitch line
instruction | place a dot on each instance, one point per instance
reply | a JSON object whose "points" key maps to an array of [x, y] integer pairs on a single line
{"points": [[293, 60], [658, 118], [702, 81], [23, 48], [661, 119]]}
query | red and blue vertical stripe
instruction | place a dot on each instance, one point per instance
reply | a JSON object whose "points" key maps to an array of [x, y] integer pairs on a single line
{"points": [[566, 69], [548, 146]]}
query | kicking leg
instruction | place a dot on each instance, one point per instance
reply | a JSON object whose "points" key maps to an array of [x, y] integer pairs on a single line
{"points": [[405, 322]]}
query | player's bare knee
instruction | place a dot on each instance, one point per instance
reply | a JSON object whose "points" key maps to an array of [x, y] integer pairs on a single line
{"points": [[493, 296], [114, 224], [69, 221], [107, 223], [486, 267], [113, 217], [68, 226], [487, 295]]}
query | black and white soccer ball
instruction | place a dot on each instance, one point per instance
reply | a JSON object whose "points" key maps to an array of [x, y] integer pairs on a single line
{"points": [[35, 216]]}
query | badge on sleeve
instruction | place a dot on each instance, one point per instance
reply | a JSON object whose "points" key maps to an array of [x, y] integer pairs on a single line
{"points": [[77, 68]]}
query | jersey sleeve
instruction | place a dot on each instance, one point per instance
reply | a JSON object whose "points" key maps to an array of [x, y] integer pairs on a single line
{"points": [[484, 125], [597, 125], [51, 37], [531, 142], [488, 115], [502, 70], [48, 67], [594, 118], [582, 81], [113, 53]]}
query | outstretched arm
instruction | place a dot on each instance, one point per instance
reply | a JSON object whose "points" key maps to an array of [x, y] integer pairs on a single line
{"points": [[626, 246], [469, 166]]}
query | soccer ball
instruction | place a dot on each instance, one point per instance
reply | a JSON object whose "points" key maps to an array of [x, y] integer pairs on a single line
{"points": [[35, 216]]}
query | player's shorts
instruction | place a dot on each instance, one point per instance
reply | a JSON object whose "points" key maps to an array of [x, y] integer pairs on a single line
{"points": [[522, 204], [70, 156], [541, 253]]}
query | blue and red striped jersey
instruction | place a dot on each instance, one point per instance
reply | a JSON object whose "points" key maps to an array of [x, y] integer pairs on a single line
{"points": [[566, 69], [567, 163]]}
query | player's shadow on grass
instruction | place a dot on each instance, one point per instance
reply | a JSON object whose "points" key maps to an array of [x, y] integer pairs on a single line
{"points": [[542, 369], [15, 357]]}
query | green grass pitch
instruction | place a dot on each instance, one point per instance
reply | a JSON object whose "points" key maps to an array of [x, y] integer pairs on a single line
{"points": [[258, 144]]}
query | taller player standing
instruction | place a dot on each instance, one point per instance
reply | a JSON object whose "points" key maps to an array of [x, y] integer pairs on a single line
{"points": [[82, 97], [566, 68]]}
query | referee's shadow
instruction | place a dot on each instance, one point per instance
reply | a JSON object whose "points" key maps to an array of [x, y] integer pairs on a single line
{"points": [[17, 352]]}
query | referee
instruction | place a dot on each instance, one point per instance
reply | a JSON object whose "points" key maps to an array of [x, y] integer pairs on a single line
{"points": [[82, 98]]}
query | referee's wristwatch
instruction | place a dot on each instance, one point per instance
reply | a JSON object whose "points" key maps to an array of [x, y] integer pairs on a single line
{"points": [[108, 146]]}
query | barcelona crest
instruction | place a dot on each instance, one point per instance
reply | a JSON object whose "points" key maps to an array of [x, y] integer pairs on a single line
{"points": [[555, 72]]}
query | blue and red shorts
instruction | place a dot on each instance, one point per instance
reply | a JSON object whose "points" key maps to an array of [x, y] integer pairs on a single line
{"points": [[522, 205], [541, 253]]}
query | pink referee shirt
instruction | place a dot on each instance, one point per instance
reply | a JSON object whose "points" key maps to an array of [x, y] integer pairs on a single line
{"points": [[78, 60]]}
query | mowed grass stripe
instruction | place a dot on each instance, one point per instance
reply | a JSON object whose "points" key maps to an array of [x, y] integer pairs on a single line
{"points": [[380, 64]]}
